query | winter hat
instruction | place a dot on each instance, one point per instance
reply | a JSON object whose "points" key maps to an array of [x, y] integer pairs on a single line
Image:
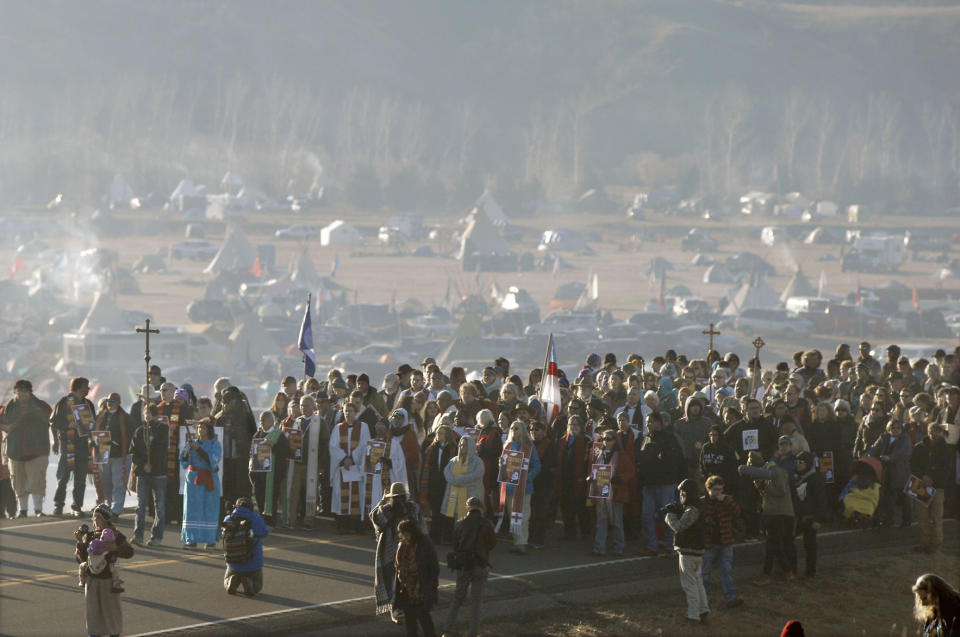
{"points": [[841, 404], [103, 511], [594, 360], [182, 394], [805, 457]]}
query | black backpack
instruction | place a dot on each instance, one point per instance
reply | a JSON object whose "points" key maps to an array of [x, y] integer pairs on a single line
{"points": [[238, 540]]}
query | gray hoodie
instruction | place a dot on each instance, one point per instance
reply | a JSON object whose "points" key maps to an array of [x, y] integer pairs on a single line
{"points": [[691, 430]]}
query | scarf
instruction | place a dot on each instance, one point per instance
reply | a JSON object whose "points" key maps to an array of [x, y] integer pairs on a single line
{"points": [[173, 466], [74, 430], [349, 491], [519, 490]]}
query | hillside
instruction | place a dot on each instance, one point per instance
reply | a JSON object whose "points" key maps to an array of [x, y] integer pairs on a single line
{"points": [[843, 100]]}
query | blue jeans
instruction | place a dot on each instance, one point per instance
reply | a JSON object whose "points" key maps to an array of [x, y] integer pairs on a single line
{"points": [[612, 519], [722, 558], [147, 486], [655, 498], [114, 477]]}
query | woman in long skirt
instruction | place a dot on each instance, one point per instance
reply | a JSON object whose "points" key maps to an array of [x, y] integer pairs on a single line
{"points": [[103, 613], [201, 498]]}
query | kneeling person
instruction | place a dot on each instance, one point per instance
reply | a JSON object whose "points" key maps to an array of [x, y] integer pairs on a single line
{"points": [[243, 530]]}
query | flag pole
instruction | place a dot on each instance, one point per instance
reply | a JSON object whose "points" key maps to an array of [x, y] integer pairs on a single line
{"points": [[303, 354]]}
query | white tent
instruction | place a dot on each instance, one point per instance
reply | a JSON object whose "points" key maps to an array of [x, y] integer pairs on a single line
{"points": [[563, 240], [104, 315], [185, 191], [120, 191], [482, 238], [235, 253], [754, 293], [489, 206], [340, 233], [302, 271], [231, 182], [797, 286]]}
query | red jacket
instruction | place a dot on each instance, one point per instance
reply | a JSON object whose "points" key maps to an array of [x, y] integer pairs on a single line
{"points": [[626, 470]]}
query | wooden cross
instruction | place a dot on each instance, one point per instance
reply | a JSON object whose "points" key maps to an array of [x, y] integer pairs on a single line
{"points": [[757, 343], [146, 357], [711, 332]]}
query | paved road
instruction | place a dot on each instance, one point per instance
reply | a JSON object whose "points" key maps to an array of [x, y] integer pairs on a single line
{"points": [[330, 576]]}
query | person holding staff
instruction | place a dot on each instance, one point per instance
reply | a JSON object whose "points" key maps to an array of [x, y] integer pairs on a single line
{"points": [[201, 496]]}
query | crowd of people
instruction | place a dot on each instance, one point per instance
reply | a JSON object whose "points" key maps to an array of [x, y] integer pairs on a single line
{"points": [[677, 456]]}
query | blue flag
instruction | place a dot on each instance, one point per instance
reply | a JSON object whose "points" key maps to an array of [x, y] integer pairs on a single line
{"points": [[306, 344]]}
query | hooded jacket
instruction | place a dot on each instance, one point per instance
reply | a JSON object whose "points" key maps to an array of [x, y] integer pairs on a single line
{"points": [[692, 429]]}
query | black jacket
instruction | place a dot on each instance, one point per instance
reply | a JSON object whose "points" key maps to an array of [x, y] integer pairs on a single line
{"points": [[660, 460], [934, 460], [766, 434], [475, 533], [150, 442]]}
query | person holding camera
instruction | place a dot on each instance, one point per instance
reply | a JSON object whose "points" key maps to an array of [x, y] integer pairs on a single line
{"points": [[245, 528], [392, 509], [687, 521], [104, 615], [473, 539]]}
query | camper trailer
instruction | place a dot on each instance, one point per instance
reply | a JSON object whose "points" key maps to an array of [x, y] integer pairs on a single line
{"points": [[108, 351], [875, 253]]}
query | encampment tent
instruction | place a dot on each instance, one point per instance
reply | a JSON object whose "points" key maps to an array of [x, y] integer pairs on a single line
{"points": [[754, 293], [235, 253], [717, 273], [563, 240], [104, 315], [340, 233], [797, 286], [482, 247], [250, 343]]}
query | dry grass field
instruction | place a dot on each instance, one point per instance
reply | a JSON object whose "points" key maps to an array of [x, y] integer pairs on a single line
{"points": [[870, 598]]}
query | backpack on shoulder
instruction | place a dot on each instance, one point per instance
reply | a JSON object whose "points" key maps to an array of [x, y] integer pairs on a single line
{"points": [[238, 540]]}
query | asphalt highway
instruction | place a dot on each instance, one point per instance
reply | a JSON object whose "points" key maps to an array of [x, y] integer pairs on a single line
{"points": [[313, 580]]}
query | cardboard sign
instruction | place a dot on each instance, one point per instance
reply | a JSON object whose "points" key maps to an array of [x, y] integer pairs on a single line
{"points": [[511, 465], [295, 440], [751, 439], [826, 466], [100, 447], [373, 455], [82, 417], [600, 485], [921, 494], [260, 461]]}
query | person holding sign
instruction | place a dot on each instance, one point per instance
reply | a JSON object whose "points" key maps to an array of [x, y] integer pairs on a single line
{"points": [[519, 465], [611, 473], [268, 466], [113, 473], [72, 420], [201, 496], [931, 461], [383, 465]]}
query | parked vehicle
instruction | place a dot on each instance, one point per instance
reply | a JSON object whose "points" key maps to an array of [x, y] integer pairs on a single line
{"points": [[564, 322], [698, 240], [658, 321], [430, 326], [371, 354], [298, 231], [193, 249], [875, 253], [769, 321]]}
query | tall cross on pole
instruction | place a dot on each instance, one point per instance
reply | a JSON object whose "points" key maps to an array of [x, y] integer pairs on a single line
{"points": [[711, 333], [146, 357], [757, 343]]}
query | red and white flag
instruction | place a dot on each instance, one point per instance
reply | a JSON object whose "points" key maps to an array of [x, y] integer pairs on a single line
{"points": [[550, 384]]}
